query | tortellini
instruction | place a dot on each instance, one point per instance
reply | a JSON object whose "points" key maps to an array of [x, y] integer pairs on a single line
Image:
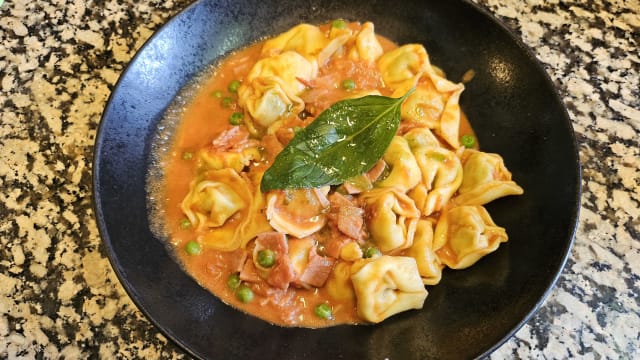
{"points": [[422, 251], [421, 137], [351, 252], [214, 199], [387, 285], [434, 103], [449, 124], [403, 66], [290, 61], [424, 106], [273, 85], [391, 218], [267, 103], [404, 174], [223, 203], [407, 64], [307, 40], [367, 47], [485, 179], [464, 234], [212, 159], [441, 176], [334, 46], [435, 109], [339, 284], [299, 212]]}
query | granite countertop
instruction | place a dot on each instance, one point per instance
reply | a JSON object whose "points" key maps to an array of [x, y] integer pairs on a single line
{"points": [[59, 60]]}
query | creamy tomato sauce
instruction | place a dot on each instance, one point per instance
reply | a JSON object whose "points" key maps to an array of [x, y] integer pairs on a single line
{"points": [[203, 120]]}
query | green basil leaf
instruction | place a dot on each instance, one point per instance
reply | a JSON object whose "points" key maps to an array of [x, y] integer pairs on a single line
{"points": [[345, 140]]}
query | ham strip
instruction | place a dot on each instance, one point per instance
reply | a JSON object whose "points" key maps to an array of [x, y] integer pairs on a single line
{"points": [[337, 200], [346, 215], [282, 273], [274, 241], [322, 197], [317, 270], [272, 147], [376, 171], [249, 273], [238, 258], [350, 221], [334, 245], [351, 189], [231, 138]]}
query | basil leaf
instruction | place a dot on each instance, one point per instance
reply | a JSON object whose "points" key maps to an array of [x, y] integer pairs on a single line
{"points": [[345, 140]]}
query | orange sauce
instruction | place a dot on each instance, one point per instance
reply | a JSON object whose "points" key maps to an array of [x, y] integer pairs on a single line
{"points": [[203, 119]]}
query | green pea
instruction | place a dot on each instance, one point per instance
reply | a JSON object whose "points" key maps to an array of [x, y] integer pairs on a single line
{"points": [[217, 94], [185, 224], [348, 84], [233, 281], [371, 252], [323, 311], [193, 248], [187, 155], [244, 294], [227, 101], [233, 86], [266, 258], [236, 118], [339, 24], [468, 141]]}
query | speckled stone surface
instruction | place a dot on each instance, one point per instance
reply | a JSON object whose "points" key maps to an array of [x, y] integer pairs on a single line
{"points": [[59, 59]]}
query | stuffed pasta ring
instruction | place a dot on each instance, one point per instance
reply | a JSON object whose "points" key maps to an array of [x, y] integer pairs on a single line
{"points": [[387, 285]]}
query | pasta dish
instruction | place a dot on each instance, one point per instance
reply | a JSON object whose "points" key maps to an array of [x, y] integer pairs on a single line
{"points": [[327, 176]]}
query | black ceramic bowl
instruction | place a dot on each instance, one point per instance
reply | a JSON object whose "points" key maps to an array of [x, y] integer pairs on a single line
{"points": [[511, 103]]}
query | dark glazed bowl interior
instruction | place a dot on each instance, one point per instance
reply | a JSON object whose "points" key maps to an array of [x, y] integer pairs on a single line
{"points": [[511, 104]]}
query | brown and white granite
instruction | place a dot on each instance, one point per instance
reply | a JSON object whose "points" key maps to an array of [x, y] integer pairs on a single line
{"points": [[59, 59]]}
